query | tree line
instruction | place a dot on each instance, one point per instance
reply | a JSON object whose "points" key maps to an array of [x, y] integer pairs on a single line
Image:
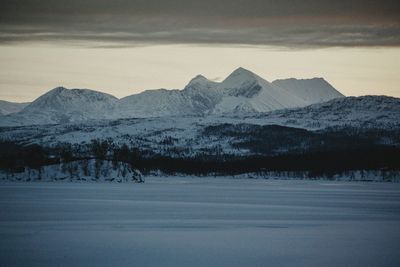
{"points": [[15, 157]]}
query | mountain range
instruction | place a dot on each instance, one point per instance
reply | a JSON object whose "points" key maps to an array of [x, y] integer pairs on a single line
{"points": [[243, 124], [242, 92]]}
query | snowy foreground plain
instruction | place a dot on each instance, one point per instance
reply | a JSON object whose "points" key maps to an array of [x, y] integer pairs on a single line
{"points": [[200, 222]]}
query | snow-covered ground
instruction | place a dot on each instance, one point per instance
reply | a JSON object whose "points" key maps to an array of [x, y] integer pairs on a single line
{"points": [[185, 133], [186, 221]]}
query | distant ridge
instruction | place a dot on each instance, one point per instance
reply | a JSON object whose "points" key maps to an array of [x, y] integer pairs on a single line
{"points": [[7, 107]]}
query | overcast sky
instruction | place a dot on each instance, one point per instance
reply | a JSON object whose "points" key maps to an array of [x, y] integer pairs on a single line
{"points": [[123, 47]]}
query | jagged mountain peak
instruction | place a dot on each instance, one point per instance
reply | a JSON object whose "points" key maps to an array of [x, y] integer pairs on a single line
{"points": [[198, 78], [200, 82], [240, 76], [242, 82], [241, 71]]}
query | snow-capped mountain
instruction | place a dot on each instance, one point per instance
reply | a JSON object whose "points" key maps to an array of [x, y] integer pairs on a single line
{"points": [[312, 91], [61, 105], [242, 92], [7, 107]]}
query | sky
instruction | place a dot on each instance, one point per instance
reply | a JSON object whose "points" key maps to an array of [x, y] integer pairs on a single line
{"points": [[124, 47]]}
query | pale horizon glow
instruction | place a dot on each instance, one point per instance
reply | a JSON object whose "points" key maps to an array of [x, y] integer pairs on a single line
{"points": [[31, 69]]}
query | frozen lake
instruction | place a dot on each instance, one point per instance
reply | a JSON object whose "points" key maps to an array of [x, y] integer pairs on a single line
{"points": [[200, 222]]}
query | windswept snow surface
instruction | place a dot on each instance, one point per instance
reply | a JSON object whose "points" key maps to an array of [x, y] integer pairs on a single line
{"points": [[171, 221]]}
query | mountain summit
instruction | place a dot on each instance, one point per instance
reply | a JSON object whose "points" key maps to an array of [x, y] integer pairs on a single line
{"points": [[242, 82]]}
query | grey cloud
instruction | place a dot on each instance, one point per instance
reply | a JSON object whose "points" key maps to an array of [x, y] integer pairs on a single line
{"points": [[246, 8], [287, 23]]}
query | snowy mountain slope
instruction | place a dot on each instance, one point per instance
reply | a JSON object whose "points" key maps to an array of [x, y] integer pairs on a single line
{"points": [[62, 105], [11, 107], [363, 111], [312, 91], [151, 103], [183, 135]]}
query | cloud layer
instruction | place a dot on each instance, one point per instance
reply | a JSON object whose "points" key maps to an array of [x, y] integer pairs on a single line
{"points": [[286, 23]]}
